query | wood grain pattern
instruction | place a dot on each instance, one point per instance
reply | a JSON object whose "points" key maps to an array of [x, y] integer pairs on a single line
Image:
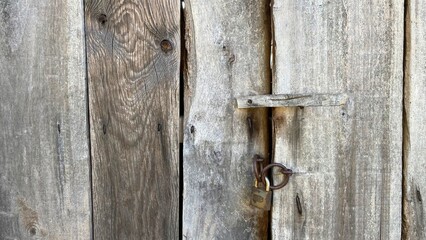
{"points": [[347, 159], [44, 151], [227, 45], [292, 100], [133, 52], [414, 125]]}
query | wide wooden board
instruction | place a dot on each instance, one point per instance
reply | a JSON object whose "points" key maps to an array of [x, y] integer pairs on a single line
{"points": [[44, 151], [347, 160], [227, 56], [133, 50]]}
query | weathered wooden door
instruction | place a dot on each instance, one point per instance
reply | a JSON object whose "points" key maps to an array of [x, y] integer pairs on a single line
{"points": [[130, 119], [346, 159]]}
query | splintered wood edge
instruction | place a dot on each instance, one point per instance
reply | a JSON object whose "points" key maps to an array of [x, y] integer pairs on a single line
{"points": [[292, 100]]}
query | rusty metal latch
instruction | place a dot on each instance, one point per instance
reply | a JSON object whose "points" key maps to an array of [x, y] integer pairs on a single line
{"points": [[261, 195], [260, 172]]}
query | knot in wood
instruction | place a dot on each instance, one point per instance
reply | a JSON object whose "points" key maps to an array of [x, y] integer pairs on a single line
{"points": [[102, 18], [166, 46]]}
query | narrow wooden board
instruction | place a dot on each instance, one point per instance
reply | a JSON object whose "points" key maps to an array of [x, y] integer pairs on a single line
{"points": [[227, 47], [292, 100], [347, 160], [414, 226], [133, 52], [44, 151]]}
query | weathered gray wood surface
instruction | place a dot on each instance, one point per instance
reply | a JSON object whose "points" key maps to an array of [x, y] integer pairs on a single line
{"points": [[347, 159], [292, 100], [133, 52], [227, 45], [44, 154], [414, 124]]}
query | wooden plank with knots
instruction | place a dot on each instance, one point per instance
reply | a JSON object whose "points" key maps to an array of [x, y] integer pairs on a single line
{"points": [[133, 50]]}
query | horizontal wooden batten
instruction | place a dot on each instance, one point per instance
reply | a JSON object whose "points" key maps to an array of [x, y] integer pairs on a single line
{"points": [[292, 100]]}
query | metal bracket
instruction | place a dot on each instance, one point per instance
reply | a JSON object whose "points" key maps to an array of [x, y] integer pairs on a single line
{"points": [[292, 100]]}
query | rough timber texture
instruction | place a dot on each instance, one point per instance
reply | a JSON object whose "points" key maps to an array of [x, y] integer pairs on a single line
{"points": [[415, 119], [348, 159], [133, 52], [44, 155], [227, 44], [292, 100]]}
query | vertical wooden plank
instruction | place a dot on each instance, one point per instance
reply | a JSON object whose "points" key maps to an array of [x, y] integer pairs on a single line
{"points": [[44, 155], [347, 159], [133, 61], [227, 45], [414, 124]]}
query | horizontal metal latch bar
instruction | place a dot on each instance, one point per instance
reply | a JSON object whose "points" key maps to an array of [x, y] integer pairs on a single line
{"points": [[292, 100]]}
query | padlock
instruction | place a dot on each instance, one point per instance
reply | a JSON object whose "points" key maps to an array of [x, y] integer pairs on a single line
{"points": [[262, 196]]}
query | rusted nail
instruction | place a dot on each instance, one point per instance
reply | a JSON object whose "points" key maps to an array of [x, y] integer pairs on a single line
{"points": [[250, 126], [299, 205], [250, 123], [419, 195]]}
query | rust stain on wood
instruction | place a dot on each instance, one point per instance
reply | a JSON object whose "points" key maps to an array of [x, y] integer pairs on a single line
{"points": [[221, 65]]}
